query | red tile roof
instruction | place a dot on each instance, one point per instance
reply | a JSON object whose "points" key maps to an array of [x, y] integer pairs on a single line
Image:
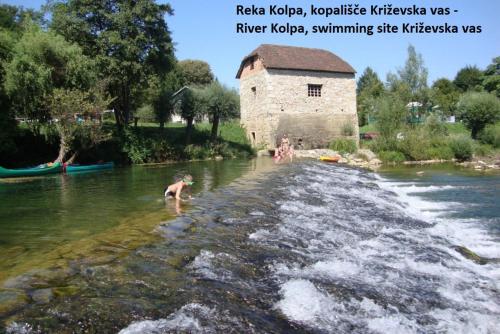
{"points": [[297, 58]]}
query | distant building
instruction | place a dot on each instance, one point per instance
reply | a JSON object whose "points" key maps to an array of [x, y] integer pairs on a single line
{"points": [[309, 94]]}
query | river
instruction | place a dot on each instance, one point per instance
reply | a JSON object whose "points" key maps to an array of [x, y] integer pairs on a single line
{"points": [[302, 248]]}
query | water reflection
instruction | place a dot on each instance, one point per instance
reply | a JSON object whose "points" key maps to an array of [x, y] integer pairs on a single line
{"points": [[39, 217]]}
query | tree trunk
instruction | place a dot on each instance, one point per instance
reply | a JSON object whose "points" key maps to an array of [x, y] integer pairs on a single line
{"points": [[73, 157], [474, 132], [162, 125], [215, 128], [63, 149], [189, 130]]}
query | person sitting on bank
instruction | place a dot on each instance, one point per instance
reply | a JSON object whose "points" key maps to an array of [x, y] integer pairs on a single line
{"points": [[175, 190]]}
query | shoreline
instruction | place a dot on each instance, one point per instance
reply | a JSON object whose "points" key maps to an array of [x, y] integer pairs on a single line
{"points": [[365, 158]]}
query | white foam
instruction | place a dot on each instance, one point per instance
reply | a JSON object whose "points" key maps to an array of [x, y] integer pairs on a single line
{"points": [[302, 301], [19, 328], [389, 258], [185, 319]]}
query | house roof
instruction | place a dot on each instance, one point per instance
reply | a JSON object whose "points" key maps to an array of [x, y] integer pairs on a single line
{"points": [[297, 58]]}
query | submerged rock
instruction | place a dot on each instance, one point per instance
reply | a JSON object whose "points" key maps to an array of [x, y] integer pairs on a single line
{"points": [[42, 296], [468, 254], [11, 300]]}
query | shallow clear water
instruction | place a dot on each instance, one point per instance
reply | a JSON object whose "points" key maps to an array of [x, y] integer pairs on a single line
{"points": [[308, 247]]}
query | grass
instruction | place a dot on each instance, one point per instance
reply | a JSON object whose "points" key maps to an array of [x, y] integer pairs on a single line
{"points": [[457, 129], [368, 128], [148, 143]]}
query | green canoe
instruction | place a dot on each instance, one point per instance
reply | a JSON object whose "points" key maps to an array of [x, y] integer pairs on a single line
{"points": [[35, 171], [86, 168]]}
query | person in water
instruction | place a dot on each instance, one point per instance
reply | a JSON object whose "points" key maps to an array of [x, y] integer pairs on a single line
{"points": [[174, 190]]}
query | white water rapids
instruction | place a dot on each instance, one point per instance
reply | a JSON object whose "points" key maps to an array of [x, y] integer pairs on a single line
{"points": [[352, 252]]}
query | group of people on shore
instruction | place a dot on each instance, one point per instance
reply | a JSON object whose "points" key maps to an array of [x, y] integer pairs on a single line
{"points": [[284, 150]]}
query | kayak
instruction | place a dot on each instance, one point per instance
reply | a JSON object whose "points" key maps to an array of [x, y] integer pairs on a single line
{"points": [[330, 159], [85, 168], [43, 169]]}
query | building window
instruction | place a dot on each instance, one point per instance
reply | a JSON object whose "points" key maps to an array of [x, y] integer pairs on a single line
{"points": [[253, 137], [314, 90], [254, 91]]}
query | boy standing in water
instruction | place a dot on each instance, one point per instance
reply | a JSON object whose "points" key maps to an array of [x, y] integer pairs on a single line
{"points": [[174, 190]]}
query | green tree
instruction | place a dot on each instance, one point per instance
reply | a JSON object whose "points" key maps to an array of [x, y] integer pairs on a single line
{"points": [[42, 61], [445, 94], [469, 78], [391, 112], [491, 78], [195, 72], [414, 74], [81, 132], [398, 87], [369, 87], [477, 109], [189, 110], [129, 40], [221, 103]]}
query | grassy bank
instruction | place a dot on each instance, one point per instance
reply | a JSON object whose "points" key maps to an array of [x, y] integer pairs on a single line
{"points": [[146, 143], [434, 140]]}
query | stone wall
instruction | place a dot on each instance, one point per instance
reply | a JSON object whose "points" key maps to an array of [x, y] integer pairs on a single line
{"points": [[280, 104]]}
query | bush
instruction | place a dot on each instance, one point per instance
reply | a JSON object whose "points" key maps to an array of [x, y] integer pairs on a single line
{"points": [[440, 152], [491, 135], [462, 147], [137, 148], [390, 112], [477, 110], [383, 144], [195, 152], [343, 145], [435, 127], [347, 130], [391, 156], [483, 150]]}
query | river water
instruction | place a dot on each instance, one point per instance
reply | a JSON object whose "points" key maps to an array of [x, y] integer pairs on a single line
{"points": [[301, 248]]}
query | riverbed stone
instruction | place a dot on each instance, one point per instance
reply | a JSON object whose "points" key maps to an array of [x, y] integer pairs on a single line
{"points": [[42, 296], [366, 153], [12, 300]]}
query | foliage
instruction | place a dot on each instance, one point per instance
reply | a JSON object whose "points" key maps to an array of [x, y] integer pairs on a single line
{"points": [[390, 112], [195, 72], [435, 127], [483, 150], [129, 40], [414, 73], [468, 78], [369, 87], [445, 94], [391, 156], [491, 77], [343, 145], [347, 130], [77, 131], [145, 113], [221, 104], [13, 18], [491, 135], [477, 110], [150, 145], [462, 147], [43, 61]]}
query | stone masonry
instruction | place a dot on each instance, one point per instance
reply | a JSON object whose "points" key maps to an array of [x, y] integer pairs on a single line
{"points": [[275, 101]]}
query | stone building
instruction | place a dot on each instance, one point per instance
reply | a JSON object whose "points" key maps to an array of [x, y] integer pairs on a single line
{"points": [[309, 94]]}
